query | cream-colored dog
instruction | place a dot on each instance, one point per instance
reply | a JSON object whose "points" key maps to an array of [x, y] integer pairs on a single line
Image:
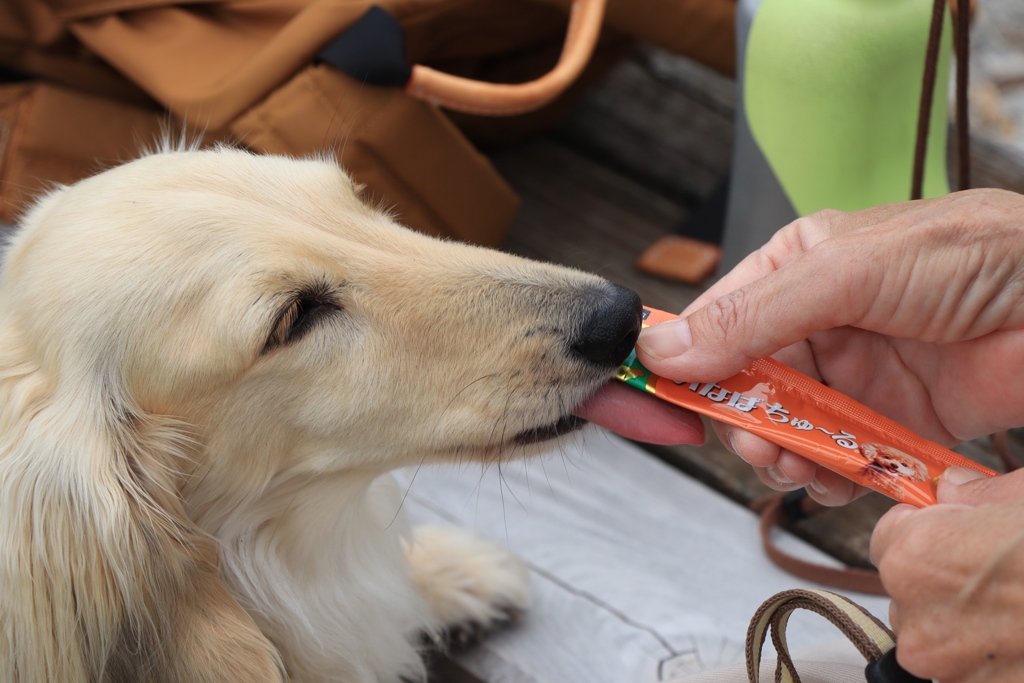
{"points": [[208, 360]]}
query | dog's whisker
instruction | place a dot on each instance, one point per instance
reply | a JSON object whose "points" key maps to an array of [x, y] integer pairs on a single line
{"points": [[526, 474], [565, 466], [496, 424], [408, 489], [544, 469], [504, 514], [327, 131], [502, 479], [348, 133], [347, 124], [504, 422], [452, 400], [478, 487]]}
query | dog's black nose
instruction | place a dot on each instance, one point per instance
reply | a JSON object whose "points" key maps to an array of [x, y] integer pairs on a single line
{"points": [[612, 327]]}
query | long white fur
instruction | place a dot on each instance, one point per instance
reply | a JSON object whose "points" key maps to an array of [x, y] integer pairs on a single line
{"points": [[181, 500]]}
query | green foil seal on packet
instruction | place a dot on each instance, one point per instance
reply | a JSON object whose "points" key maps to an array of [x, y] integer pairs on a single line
{"points": [[633, 373]]}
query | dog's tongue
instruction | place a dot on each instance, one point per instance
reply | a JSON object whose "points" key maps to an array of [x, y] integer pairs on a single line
{"points": [[641, 417]]}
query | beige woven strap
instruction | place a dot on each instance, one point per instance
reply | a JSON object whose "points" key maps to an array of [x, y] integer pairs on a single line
{"points": [[499, 99], [869, 635]]}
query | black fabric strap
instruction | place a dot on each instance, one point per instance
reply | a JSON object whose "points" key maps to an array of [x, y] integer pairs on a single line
{"points": [[888, 670], [371, 51]]}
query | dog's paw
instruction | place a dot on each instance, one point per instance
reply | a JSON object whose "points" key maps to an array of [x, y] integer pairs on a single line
{"points": [[471, 584]]}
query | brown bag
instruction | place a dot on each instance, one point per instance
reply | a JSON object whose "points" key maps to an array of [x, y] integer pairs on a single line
{"points": [[106, 72]]}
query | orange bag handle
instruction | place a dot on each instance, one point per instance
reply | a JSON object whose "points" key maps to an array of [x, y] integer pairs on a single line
{"points": [[500, 99]]}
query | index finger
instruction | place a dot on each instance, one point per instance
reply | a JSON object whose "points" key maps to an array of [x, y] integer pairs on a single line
{"points": [[791, 241]]}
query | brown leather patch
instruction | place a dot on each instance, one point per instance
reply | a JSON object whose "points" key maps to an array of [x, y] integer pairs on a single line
{"points": [[680, 258]]}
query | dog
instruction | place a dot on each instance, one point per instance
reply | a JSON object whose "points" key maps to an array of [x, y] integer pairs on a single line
{"points": [[209, 362]]}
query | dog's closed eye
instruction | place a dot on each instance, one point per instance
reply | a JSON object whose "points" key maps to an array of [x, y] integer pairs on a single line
{"points": [[301, 314]]}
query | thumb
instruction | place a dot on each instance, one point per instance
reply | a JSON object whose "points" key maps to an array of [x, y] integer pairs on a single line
{"points": [[966, 486], [817, 291]]}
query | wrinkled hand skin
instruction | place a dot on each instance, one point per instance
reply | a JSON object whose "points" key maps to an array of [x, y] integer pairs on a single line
{"points": [[955, 572], [915, 309]]}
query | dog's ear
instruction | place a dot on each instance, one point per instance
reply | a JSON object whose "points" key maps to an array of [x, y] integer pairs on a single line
{"points": [[102, 575]]}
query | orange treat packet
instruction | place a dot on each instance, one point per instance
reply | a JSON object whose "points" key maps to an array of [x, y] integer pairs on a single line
{"points": [[794, 411]]}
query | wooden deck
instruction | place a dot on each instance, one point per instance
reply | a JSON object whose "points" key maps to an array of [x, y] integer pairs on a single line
{"points": [[629, 165], [639, 573]]}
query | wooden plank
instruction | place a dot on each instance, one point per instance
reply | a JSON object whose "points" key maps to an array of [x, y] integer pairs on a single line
{"points": [[992, 165], [660, 120], [639, 574]]}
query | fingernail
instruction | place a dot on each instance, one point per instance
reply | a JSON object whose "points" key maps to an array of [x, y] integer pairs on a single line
{"points": [[777, 475], [817, 487], [666, 340], [961, 475], [729, 444]]}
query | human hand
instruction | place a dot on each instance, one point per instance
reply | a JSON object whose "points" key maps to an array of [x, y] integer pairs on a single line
{"points": [[955, 572], [914, 309]]}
